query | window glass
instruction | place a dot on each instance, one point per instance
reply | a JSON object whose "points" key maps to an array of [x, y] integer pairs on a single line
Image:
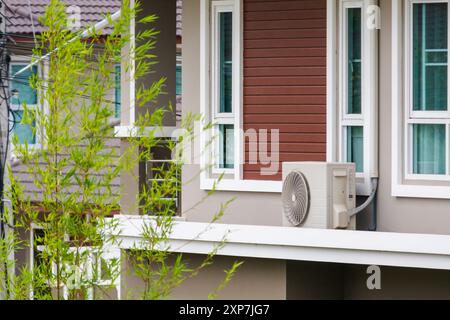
{"points": [[24, 132], [430, 57], [21, 83], [118, 95], [355, 147], [429, 149], [226, 61], [354, 60], [179, 83], [226, 145]]}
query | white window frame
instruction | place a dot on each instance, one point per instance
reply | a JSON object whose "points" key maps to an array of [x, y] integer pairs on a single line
{"points": [[220, 118], [107, 253], [338, 121], [115, 117], [402, 183], [26, 60], [422, 117], [349, 120]]}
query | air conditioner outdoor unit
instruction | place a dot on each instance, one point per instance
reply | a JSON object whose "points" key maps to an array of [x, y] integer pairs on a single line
{"points": [[319, 195]]}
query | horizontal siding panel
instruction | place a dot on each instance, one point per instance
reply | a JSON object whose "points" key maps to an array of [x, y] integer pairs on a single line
{"points": [[24, 175], [285, 34], [288, 128], [284, 24], [285, 71], [286, 109], [292, 137], [285, 43], [285, 118], [293, 157], [278, 99], [271, 5], [283, 52], [294, 147], [285, 79], [282, 90], [285, 62], [275, 15]]}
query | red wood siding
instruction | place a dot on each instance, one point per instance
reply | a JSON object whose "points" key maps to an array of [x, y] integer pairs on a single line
{"points": [[285, 77]]}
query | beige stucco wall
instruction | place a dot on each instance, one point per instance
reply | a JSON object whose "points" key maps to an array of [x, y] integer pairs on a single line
{"points": [[250, 282], [165, 51], [165, 67], [400, 214]]}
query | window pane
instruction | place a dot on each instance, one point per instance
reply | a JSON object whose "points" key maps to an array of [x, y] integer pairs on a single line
{"points": [[430, 56], [226, 145], [355, 147], [179, 83], [21, 83], [24, 132], [429, 149], [354, 60], [226, 61], [118, 95]]}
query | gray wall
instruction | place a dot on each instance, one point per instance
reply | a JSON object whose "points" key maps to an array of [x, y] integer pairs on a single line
{"points": [[398, 284], [165, 67], [251, 281], [165, 51], [400, 214]]}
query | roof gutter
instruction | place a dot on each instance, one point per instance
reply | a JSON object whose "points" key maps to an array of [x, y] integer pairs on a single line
{"points": [[88, 32]]}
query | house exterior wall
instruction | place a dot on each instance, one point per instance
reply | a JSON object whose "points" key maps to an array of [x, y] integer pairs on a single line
{"points": [[266, 279], [303, 280], [395, 214]]}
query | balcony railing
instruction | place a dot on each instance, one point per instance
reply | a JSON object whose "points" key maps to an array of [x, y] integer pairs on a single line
{"points": [[163, 175]]}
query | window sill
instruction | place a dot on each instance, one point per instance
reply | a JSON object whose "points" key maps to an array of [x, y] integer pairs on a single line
{"points": [[132, 131], [420, 191], [263, 186], [242, 185]]}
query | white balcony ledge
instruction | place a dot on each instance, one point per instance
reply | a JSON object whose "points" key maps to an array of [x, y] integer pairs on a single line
{"points": [[132, 131], [348, 247]]}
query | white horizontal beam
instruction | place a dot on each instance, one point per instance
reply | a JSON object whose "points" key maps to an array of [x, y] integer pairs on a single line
{"points": [[349, 247], [86, 33], [133, 131]]}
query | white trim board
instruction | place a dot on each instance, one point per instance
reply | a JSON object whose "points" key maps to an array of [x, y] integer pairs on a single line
{"points": [[399, 114], [132, 131], [296, 244]]}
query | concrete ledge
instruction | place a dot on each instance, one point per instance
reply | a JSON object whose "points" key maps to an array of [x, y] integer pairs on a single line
{"points": [[349, 247], [132, 131]]}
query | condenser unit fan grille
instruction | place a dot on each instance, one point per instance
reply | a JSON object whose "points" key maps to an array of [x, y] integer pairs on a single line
{"points": [[295, 198]]}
